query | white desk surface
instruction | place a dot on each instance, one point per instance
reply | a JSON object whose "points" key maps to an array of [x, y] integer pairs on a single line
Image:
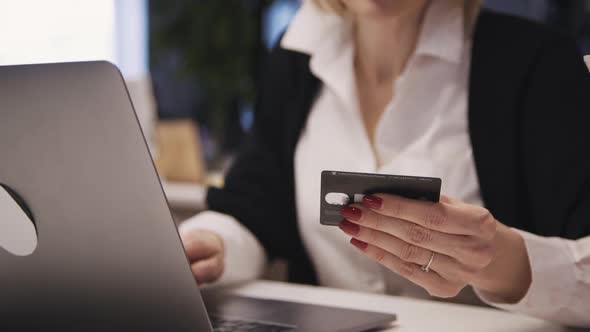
{"points": [[413, 315], [185, 195]]}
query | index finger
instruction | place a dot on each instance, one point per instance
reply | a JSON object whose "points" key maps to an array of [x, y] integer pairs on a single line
{"points": [[199, 246], [447, 216]]}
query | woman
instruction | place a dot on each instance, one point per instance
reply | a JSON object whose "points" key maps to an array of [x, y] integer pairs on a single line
{"points": [[495, 106]]}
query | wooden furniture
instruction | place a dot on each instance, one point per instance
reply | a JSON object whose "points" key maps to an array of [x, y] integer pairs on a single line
{"points": [[179, 152]]}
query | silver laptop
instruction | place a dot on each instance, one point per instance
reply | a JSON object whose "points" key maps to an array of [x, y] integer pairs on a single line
{"points": [[87, 241]]}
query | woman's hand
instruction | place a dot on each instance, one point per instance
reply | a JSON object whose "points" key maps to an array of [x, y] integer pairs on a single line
{"points": [[205, 252], [458, 242]]}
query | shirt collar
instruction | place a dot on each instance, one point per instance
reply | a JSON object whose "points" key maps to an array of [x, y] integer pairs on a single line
{"points": [[443, 32], [318, 33]]}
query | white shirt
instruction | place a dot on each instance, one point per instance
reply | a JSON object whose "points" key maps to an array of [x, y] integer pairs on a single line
{"points": [[423, 131]]}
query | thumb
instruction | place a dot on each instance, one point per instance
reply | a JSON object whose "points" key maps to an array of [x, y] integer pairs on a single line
{"points": [[587, 60]]}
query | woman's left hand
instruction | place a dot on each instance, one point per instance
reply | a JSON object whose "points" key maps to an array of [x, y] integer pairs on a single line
{"points": [[456, 241]]}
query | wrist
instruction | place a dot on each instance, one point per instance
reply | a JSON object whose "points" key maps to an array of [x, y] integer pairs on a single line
{"points": [[508, 277]]}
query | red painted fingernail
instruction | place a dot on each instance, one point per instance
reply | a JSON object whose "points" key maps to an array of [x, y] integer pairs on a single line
{"points": [[359, 244], [351, 213], [349, 228], [373, 202]]}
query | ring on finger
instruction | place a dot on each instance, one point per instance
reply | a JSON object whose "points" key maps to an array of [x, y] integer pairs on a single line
{"points": [[426, 268]]}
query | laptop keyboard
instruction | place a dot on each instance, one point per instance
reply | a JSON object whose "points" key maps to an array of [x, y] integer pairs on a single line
{"points": [[224, 324]]}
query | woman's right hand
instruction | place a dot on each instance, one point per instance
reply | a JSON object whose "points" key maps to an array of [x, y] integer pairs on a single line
{"points": [[205, 251]]}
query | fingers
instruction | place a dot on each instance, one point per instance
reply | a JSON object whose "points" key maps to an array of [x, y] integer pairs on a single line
{"points": [[405, 251], [208, 270], [405, 234], [408, 232], [200, 244], [447, 216], [444, 265], [431, 281], [205, 252]]}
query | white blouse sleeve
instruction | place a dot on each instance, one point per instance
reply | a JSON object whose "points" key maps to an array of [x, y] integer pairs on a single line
{"points": [[560, 288], [245, 258]]}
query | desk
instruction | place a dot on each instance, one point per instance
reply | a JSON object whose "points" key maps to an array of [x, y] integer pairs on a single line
{"points": [[185, 199], [185, 195], [413, 315]]}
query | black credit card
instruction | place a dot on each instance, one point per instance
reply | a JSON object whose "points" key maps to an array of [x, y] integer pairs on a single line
{"points": [[344, 188]]}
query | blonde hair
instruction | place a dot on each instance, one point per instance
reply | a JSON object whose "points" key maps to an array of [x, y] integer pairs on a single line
{"points": [[471, 9]]}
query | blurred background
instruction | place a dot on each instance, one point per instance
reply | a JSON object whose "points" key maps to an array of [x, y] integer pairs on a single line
{"points": [[192, 65]]}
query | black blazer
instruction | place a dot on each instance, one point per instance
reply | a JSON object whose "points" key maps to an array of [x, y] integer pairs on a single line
{"points": [[529, 119]]}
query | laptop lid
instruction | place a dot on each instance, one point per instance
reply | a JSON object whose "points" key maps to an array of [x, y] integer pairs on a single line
{"points": [[108, 255]]}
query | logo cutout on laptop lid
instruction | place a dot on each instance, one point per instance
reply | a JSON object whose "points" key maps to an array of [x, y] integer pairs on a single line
{"points": [[18, 234]]}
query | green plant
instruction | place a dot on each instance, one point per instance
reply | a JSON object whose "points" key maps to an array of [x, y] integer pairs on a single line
{"points": [[220, 42]]}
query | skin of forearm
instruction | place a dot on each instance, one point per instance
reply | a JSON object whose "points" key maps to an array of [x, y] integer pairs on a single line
{"points": [[508, 277]]}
